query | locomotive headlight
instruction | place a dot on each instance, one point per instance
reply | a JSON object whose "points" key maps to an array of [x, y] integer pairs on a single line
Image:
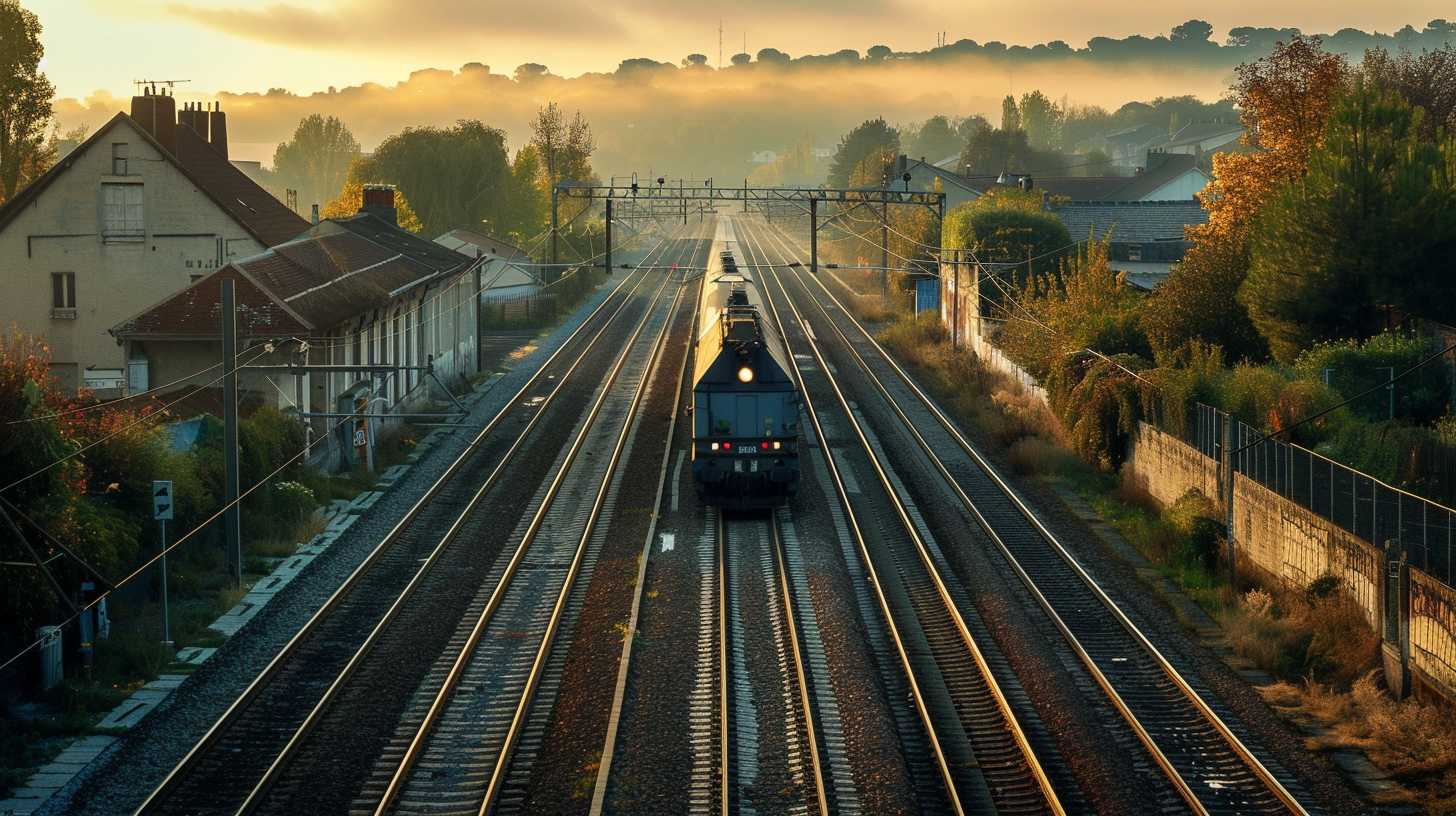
{"points": [[745, 374]]}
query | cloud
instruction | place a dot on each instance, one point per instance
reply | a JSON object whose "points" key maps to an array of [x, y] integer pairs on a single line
{"points": [[350, 24]]}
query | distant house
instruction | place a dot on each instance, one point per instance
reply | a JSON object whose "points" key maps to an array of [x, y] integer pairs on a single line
{"points": [[764, 157], [1164, 177], [1128, 146], [506, 269], [1197, 138], [358, 290], [924, 175], [1147, 237], [146, 205]]}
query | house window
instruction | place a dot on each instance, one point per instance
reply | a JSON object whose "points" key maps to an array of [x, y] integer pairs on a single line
{"points": [[63, 295], [119, 155], [121, 212], [1135, 252]]}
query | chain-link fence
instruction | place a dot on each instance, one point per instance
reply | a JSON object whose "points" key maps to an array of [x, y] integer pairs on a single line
{"points": [[1354, 501]]}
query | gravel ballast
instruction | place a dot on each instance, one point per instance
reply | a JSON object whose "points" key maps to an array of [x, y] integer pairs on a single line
{"points": [[119, 780]]}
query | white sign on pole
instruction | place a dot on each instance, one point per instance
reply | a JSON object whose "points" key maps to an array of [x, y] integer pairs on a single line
{"points": [[162, 500]]}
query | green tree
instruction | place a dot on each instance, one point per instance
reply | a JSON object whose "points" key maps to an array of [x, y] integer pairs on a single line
{"points": [[935, 140], [563, 147], [454, 177], [25, 98], [1041, 118], [316, 161], [990, 152], [528, 213], [351, 198], [1364, 231], [1193, 305], [867, 138], [1008, 230], [1010, 115], [969, 126], [1426, 80]]}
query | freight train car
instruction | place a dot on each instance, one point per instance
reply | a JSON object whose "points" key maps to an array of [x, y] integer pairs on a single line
{"points": [[745, 404]]}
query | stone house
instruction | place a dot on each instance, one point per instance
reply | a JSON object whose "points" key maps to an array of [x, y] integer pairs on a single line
{"points": [[148, 204]]}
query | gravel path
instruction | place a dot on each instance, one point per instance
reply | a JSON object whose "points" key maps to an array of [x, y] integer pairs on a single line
{"points": [[119, 780]]}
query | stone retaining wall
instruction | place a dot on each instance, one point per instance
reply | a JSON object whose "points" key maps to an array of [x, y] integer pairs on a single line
{"points": [[1432, 624], [1296, 546], [1165, 467]]}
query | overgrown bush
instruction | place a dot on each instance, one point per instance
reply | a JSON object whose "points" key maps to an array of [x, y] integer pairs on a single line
{"points": [[1319, 633], [1422, 396]]}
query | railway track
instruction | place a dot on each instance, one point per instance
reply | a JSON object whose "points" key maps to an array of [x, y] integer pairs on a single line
{"points": [[982, 756], [464, 738], [772, 759], [243, 754], [1208, 766]]}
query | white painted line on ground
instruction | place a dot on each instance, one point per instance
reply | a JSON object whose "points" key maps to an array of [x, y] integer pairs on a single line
{"points": [[677, 477]]}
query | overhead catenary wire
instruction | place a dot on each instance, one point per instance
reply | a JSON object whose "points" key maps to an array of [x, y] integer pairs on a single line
{"points": [[134, 423], [142, 569], [108, 403]]}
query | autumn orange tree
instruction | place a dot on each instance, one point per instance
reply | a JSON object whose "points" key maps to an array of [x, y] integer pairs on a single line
{"points": [[1285, 100]]}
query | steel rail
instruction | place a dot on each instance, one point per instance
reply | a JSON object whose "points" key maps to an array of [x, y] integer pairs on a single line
{"points": [[538, 667], [624, 664], [214, 732], [851, 517], [725, 778], [443, 695], [1245, 755], [1004, 707], [777, 543], [255, 797]]}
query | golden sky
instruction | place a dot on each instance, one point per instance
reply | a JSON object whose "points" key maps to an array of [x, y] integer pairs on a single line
{"points": [[309, 45]]}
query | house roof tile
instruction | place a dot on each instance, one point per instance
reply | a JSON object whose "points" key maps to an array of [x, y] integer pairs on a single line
{"points": [[1131, 221], [330, 274]]}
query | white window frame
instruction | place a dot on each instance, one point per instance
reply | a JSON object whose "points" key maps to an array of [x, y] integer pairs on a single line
{"points": [[123, 213]]}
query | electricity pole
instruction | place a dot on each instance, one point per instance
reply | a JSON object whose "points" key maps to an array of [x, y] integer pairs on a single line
{"points": [[608, 258], [885, 251], [553, 270], [814, 235], [232, 516]]}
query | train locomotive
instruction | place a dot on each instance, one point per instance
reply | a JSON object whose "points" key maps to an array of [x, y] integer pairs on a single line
{"points": [[745, 404]]}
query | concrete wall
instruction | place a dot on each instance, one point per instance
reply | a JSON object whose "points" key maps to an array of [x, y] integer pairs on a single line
{"points": [[61, 232], [1432, 624], [1166, 467], [1295, 546]]}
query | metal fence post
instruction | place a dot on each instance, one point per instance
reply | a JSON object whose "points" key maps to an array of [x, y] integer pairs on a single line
{"points": [[1395, 628], [1227, 463]]}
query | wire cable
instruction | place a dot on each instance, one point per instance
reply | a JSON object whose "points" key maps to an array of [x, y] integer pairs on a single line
{"points": [[139, 420], [142, 569]]}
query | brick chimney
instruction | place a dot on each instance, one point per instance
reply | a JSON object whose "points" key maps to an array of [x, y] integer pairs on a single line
{"points": [[192, 116], [379, 202], [157, 115], [217, 129]]}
